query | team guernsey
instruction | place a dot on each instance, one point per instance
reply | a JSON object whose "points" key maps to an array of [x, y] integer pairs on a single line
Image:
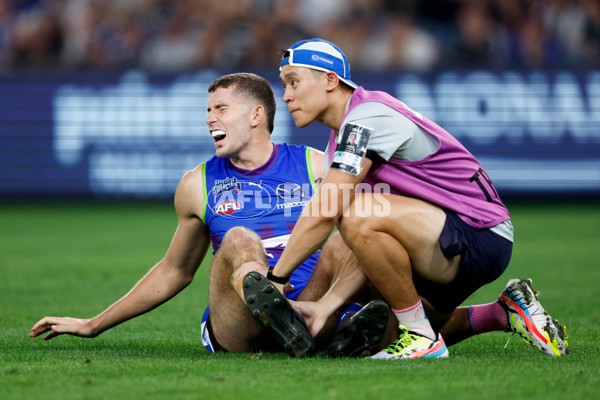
{"points": [[268, 200], [450, 177]]}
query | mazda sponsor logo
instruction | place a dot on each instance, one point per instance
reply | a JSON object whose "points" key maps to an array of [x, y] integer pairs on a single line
{"points": [[290, 191]]}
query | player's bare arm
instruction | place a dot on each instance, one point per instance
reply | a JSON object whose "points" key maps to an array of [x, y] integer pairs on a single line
{"points": [[167, 278]]}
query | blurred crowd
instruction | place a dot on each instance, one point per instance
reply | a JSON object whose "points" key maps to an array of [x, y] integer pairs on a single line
{"points": [[412, 35]]}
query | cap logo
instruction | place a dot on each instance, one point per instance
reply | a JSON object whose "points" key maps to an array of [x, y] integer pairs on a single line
{"points": [[319, 58]]}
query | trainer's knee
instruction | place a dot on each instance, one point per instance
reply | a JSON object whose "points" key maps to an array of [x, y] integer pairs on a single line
{"points": [[355, 227]]}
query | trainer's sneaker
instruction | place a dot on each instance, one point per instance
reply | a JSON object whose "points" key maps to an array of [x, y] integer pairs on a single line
{"points": [[361, 331], [270, 309], [413, 345], [528, 318]]}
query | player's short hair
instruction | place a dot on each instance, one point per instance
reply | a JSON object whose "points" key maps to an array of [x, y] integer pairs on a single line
{"points": [[253, 87]]}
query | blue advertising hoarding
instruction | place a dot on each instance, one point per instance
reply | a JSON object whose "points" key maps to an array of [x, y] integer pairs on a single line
{"points": [[133, 135]]}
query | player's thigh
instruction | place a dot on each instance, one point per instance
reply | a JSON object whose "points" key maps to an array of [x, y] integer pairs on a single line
{"points": [[231, 322], [333, 254]]}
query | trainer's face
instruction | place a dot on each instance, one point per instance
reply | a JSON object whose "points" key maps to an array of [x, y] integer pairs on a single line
{"points": [[229, 116], [304, 93]]}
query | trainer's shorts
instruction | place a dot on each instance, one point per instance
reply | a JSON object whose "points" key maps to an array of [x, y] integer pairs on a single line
{"points": [[485, 256]]}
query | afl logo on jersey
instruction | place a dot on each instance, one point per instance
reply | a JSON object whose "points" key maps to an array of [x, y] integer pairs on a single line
{"points": [[228, 207], [290, 191]]}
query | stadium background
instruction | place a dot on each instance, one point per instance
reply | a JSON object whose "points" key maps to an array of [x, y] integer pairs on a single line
{"points": [[104, 101], [107, 99]]}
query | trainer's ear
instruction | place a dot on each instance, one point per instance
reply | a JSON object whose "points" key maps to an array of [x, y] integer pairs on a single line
{"points": [[258, 116], [333, 80]]}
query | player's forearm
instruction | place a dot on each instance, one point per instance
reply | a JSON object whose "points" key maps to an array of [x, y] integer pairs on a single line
{"points": [[154, 289]]}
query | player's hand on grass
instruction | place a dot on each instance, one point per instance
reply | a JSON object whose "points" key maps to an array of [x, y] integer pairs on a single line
{"points": [[62, 325], [314, 314]]}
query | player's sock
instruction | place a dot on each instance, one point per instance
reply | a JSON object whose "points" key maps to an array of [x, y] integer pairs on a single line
{"points": [[415, 320], [488, 317], [237, 277], [349, 311]]}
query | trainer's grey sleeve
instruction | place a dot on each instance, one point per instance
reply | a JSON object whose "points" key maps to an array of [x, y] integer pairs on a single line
{"points": [[394, 135]]}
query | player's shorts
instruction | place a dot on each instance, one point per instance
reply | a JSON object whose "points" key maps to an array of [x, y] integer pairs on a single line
{"points": [[486, 256], [208, 337]]}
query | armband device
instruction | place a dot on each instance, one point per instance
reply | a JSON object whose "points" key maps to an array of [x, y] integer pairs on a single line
{"points": [[351, 148]]}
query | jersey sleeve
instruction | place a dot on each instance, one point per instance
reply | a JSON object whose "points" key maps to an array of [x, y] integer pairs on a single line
{"points": [[394, 135]]}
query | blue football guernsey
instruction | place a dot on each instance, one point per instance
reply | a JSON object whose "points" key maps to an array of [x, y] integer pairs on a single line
{"points": [[268, 200]]}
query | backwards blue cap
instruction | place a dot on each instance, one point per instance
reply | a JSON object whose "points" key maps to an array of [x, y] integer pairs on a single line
{"points": [[321, 55]]}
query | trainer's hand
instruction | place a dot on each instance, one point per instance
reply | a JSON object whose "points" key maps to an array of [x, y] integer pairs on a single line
{"points": [[314, 315], [61, 326]]}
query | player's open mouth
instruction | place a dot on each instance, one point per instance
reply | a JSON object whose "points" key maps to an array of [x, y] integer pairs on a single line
{"points": [[218, 136]]}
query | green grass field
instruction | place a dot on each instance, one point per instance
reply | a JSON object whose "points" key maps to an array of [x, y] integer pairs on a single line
{"points": [[67, 259]]}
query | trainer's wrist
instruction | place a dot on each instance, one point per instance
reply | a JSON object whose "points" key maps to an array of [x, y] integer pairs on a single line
{"points": [[282, 280]]}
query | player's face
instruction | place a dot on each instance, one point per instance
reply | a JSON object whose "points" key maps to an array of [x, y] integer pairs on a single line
{"points": [[228, 120], [304, 94]]}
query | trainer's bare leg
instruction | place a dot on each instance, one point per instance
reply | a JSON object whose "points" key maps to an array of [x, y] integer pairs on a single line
{"points": [[453, 327], [460, 324], [241, 252], [390, 246]]}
